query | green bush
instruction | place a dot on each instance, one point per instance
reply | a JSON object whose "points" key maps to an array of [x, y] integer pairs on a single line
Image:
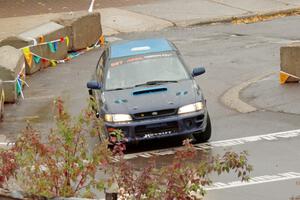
{"points": [[64, 165]]}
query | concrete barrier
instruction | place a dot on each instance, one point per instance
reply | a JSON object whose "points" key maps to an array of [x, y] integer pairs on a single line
{"points": [[45, 33], [11, 66], [2, 96], [84, 29], [290, 63], [14, 41]]}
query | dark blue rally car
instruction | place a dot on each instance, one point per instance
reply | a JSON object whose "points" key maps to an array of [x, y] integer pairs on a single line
{"points": [[144, 88]]}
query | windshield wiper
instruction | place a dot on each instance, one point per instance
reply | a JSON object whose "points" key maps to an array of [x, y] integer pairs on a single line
{"points": [[119, 88], [155, 83]]}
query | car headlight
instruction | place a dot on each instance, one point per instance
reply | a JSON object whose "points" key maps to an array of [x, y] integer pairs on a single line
{"points": [[191, 108], [117, 118]]}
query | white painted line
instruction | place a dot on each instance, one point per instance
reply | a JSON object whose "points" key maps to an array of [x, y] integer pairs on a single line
{"points": [[90, 10], [255, 180], [112, 39], [211, 145], [221, 143], [6, 144], [41, 97], [243, 140]]}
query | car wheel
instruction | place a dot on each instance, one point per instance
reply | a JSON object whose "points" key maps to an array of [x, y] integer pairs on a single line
{"points": [[204, 136]]}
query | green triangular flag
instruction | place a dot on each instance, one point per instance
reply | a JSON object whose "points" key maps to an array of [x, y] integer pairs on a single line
{"points": [[36, 59], [18, 87], [52, 48]]}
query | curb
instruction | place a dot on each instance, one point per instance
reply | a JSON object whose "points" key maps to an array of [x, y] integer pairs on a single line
{"points": [[231, 98], [231, 19]]}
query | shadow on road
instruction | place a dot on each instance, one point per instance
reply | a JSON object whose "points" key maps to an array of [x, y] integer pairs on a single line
{"points": [[155, 144]]}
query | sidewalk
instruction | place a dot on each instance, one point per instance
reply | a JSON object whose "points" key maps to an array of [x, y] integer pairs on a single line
{"points": [[158, 15]]}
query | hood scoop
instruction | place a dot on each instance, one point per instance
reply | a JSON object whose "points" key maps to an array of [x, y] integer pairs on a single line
{"points": [[119, 101], [150, 90], [181, 93]]}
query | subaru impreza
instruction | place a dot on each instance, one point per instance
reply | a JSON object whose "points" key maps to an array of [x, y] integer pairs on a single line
{"points": [[145, 89]]}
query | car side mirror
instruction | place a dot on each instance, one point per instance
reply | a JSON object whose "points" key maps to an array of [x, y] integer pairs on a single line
{"points": [[198, 71], [94, 85]]}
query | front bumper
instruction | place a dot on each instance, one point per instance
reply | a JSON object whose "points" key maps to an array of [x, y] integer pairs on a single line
{"points": [[161, 127]]}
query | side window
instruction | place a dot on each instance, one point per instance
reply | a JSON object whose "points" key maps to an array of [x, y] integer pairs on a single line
{"points": [[100, 66]]}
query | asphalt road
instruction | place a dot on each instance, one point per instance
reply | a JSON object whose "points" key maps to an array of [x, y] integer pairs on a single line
{"points": [[231, 54], [16, 8]]}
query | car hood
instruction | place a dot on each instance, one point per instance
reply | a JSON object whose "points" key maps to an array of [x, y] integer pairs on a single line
{"points": [[150, 98]]}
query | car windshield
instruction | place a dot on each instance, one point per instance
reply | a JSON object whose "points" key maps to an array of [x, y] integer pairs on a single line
{"points": [[140, 70]]}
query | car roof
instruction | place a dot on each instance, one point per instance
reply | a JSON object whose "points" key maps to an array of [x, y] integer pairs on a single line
{"points": [[138, 47]]}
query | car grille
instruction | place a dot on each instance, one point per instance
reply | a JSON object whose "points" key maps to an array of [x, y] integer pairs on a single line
{"points": [[152, 114], [156, 129]]}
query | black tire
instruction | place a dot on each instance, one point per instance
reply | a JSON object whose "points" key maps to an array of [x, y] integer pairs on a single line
{"points": [[204, 136]]}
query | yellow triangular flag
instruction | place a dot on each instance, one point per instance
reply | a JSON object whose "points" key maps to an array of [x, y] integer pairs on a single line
{"points": [[53, 63], [28, 56], [67, 40]]}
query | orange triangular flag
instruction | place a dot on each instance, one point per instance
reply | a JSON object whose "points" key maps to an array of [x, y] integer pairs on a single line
{"points": [[42, 39], [102, 40], [286, 77]]}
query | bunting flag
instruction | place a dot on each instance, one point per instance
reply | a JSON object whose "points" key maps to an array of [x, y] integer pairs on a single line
{"points": [[72, 55], [67, 40], [53, 63], [28, 56], [102, 40], [52, 47], [55, 44], [19, 82], [19, 87], [42, 39], [22, 75], [36, 59], [286, 77], [44, 60]]}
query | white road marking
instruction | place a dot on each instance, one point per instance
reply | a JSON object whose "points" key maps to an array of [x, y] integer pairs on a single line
{"points": [[210, 145], [90, 10], [243, 140], [41, 97], [112, 39], [255, 180], [221, 143]]}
